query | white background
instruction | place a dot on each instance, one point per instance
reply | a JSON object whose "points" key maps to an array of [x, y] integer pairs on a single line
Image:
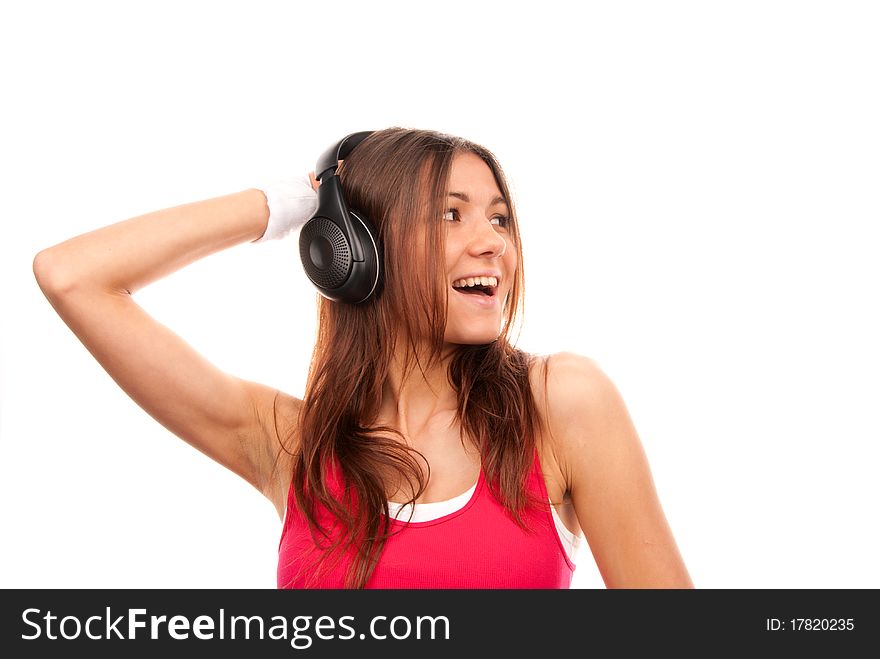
{"points": [[698, 188]]}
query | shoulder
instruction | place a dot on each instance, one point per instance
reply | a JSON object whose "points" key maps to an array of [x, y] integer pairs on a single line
{"points": [[582, 412], [567, 384]]}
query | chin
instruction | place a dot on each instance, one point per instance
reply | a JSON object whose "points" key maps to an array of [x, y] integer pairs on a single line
{"points": [[472, 338]]}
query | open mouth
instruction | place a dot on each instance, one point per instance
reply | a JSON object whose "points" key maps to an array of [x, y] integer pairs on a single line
{"points": [[477, 290], [486, 286]]}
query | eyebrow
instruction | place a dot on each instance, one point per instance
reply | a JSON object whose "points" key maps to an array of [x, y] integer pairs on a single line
{"points": [[466, 199]]}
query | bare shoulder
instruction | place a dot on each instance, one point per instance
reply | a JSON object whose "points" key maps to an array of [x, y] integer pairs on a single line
{"points": [[581, 408], [569, 386], [554, 375]]}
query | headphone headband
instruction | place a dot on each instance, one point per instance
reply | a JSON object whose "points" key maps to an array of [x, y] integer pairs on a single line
{"points": [[329, 160]]}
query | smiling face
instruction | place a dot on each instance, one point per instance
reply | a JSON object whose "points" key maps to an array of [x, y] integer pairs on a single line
{"points": [[481, 258]]}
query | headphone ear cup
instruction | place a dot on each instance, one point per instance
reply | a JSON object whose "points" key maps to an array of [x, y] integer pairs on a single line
{"points": [[326, 257]]}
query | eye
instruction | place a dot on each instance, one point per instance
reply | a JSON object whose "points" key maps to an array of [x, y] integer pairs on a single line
{"points": [[452, 215]]}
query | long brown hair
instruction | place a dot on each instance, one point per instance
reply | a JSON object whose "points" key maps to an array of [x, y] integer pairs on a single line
{"points": [[399, 179]]}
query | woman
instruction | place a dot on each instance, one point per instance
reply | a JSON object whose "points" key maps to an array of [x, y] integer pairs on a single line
{"points": [[428, 452]]}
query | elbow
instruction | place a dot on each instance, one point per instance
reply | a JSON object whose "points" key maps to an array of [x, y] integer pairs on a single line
{"points": [[53, 276]]}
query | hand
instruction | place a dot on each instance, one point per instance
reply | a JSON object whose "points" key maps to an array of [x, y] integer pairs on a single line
{"points": [[316, 182]]}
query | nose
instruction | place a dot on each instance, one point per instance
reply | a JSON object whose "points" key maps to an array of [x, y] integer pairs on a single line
{"points": [[486, 241]]}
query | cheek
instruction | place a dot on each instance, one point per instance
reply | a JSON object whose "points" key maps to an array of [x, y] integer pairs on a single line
{"points": [[453, 252], [511, 259]]}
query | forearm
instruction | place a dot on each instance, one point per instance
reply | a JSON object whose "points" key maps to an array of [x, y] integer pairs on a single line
{"points": [[128, 255]]}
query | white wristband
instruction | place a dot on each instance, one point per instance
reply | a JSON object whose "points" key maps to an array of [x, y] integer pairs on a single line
{"points": [[292, 202]]}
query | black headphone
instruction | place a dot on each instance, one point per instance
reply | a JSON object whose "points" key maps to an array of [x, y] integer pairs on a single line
{"points": [[338, 246]]}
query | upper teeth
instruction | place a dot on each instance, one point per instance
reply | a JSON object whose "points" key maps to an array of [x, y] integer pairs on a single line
{"points": [[475, 281]]}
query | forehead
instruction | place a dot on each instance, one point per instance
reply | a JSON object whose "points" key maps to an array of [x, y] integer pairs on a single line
{"points": [[471, 175]]}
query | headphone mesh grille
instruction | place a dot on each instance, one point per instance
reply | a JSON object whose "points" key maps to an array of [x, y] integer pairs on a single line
{"points": [[340, 265]]}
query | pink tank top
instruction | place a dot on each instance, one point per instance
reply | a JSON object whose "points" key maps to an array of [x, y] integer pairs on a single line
{"points": [[477, 546]]}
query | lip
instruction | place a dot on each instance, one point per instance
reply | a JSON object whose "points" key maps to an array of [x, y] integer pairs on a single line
{"points": [[482, 301]]}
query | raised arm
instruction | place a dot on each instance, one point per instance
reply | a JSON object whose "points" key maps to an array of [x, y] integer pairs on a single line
{"points": [[609, 479], [90, 279]]}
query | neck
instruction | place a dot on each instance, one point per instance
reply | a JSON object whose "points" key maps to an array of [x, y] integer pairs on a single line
{"points": [[412, 400]]}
